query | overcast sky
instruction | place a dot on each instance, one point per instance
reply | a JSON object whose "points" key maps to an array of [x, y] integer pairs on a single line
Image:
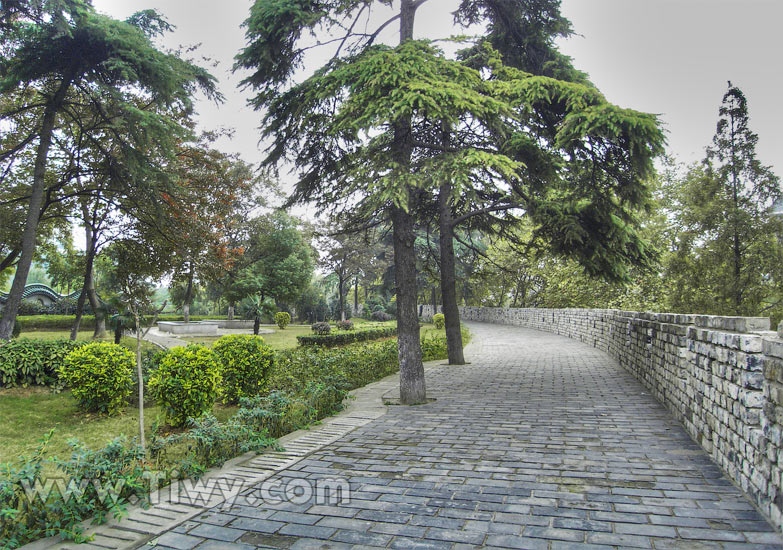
{"points": [[669, 57]]}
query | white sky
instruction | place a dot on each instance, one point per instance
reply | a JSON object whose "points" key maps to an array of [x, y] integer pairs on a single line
{"points": [[669, 57]]}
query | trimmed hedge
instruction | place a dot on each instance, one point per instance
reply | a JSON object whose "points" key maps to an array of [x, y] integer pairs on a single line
{"points": [[440, 321], [186, 383], [27, 362], [244, 361], [351, 366], [99, 374], [65, 322], [348, 337]]}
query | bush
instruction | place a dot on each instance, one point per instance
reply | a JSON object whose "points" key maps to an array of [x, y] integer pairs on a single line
{"points": [[31, 307], [65, 322], [186, 384], [211, 443], [282, 318], [342, 338], [99, 375], [321, 328], [440, 321], [25, 362], [101, 485], [344, 325], [244, 361], [67, 306], [281, 412], [380, 316]]}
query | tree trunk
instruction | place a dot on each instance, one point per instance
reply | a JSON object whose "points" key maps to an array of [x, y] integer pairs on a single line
{"points": [[356, 296], [95, 304], [140, 374], [34, 212], [412, 386], [188, 297], [341, 299], [256, 325], [448, 277], [83, 295], [9, 260], [231, 312]]}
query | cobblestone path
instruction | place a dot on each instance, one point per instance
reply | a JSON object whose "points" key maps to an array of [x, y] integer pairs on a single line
{"points": [[540, 443]]}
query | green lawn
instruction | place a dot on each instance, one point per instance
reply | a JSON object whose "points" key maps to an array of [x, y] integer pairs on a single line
{"points": [[29, 413], [280, 339], [286, 339]]}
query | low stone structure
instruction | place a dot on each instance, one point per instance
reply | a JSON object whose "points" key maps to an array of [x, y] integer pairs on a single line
{"points": [[193, 328], [722, 377]]}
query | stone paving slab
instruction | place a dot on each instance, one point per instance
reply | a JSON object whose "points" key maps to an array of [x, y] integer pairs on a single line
{"points": [[540, 443]]}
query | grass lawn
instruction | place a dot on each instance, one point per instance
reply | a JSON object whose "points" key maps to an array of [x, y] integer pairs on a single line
{"points": [[29, 413], [85, 335], [286, 339], [280, 339]]}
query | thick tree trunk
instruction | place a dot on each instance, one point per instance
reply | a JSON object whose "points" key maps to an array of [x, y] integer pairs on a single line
{"points": [[412, 386], [256, 325], [34, 211], [448, 277], [231, 312]]}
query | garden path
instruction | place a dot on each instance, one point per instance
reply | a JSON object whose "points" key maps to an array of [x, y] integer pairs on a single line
{"points": [[541, 443]]}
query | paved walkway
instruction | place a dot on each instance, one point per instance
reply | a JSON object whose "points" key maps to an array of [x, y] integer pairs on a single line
{"points": [[540, 443]]}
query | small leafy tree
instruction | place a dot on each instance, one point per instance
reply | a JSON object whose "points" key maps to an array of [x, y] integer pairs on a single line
{"points": [[135, 264], [282, 318]]}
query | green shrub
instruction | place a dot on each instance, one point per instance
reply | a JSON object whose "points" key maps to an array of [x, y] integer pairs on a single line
{"points": [[31, 307], [99, 375], [345, 325], [280, 412], [380, 316], [244, 362], [342, 338], [282, 318], [65, 322], [186, 384], [53, 322], [440, 321], [321, 328], [26, 362], [210, 443], [101, 484]]}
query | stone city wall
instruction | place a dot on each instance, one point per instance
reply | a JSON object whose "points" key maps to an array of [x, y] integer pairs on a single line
{"points": [[722, 377]]}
